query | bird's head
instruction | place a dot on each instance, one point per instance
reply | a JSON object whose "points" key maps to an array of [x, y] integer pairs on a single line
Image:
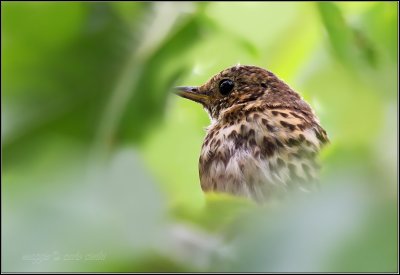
{"points": [[241, 85]]}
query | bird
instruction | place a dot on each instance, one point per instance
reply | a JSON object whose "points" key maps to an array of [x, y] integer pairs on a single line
{"points": [[263, 140]]}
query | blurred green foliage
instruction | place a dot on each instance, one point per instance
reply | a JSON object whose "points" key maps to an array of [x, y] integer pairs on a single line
{"points": [[100, 159]]}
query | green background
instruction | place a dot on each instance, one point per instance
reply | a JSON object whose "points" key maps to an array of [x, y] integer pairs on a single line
{"points": [[99, 158]]}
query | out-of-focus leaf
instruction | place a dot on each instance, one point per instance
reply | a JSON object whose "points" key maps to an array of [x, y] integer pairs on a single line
{"points": [[367, 49], [137, 100], [340, 35], [308, 234], [82, 213], [259, 24], [380, 25], [65, 91], [131, 12], [219, 211], [166, 65], [371, 249], [149, 262], [367, 46], [350, 45]]}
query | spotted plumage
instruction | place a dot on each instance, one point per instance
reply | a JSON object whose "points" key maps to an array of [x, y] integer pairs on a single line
{"points": [[263, 139]]}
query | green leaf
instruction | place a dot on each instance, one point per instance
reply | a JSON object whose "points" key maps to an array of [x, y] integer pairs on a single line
{"points": [[60, 90], [380, 26], [340, 35], [156, 76]]}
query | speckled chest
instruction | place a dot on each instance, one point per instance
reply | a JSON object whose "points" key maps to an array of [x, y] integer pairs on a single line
{"points": [[260, 153]]}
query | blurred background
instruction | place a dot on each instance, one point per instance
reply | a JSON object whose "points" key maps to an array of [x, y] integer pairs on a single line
{"points": [[99, 158]]}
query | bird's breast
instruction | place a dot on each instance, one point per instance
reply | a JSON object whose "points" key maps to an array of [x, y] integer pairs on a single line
{"points": [[233, 163], [257, 157]]}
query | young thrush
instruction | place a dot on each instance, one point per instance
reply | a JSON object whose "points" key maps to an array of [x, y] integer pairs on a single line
{"points": [[263, 139]]}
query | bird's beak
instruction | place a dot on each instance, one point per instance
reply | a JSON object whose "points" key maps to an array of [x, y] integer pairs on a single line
{"points": [[192, 93]]}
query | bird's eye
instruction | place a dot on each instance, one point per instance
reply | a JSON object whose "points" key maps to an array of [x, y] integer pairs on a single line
{"points": [[226, 86]]}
